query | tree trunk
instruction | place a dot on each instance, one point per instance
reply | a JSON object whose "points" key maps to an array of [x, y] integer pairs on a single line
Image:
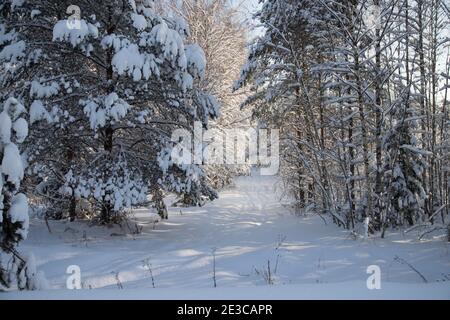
{"points": [[105, 216], [72, 208], [376, 219], [365, 142]]}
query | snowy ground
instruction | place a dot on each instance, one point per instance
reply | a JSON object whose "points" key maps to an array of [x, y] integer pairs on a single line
{"points": [[247, 227]]}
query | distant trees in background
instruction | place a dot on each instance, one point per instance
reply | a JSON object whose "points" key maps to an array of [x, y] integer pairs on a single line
{"points": [[218, 27], [359, 90]]}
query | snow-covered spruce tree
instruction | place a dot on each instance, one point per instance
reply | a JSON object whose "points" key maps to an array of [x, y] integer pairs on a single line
{"points": [[106, 91], [405, 165], [15, 269]]}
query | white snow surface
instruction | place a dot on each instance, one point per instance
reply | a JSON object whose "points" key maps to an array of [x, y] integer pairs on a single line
{"points": [[63, 31], [21, 129], [43, 91], [12, 165], [196, 59], [139, 21], [19, 213], [247, 227], [129, 59], [13, 53], [5, 127], [109, 108], [38, 112]]}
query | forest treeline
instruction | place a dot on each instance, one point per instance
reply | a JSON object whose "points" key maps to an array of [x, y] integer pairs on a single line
{"points": [[359, 90]]}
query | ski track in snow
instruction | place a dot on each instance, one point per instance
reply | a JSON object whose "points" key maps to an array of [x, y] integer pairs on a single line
{"points": [[248, 227]]}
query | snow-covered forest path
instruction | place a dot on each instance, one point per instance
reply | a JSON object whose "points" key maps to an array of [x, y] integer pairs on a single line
{"points": [[248, 229]]}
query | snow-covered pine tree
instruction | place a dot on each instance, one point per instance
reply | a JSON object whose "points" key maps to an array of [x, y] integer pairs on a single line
{"points": [[15, 269], [106, 86]]}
